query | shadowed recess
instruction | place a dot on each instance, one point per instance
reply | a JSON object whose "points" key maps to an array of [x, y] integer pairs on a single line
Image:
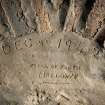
{"points": [[63, 10], [86, 8], [49, 2], [100, 38]]}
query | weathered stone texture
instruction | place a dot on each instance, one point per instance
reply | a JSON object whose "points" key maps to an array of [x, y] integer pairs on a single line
{"points": [[4, 25], [96, 18], [43, 23], [73, 15], [15, 16], [28, 16], [52, 52]]}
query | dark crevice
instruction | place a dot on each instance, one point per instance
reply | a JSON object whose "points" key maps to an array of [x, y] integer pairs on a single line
{"points": [[85, 10], [63, 10], [49, 1], [100, 38], [3, 20], [50, 4], [103, 75]]}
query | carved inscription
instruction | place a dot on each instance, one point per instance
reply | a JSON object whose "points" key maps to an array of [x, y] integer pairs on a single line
{"points": [[60, 44], [48, 57], [74, 67], [61, 73], [42, 43], [48, 74], [68, 43]]}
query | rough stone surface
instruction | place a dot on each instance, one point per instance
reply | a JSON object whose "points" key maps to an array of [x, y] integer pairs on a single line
{"points": [[52, 52], [96, 18]]}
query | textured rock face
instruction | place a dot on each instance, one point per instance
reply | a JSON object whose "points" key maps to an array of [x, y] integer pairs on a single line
{"points": [[52, 52], [51, 69], [27, 16]]}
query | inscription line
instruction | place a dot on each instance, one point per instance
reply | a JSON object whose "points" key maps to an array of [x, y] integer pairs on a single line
{"points": [[54, 83]]}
